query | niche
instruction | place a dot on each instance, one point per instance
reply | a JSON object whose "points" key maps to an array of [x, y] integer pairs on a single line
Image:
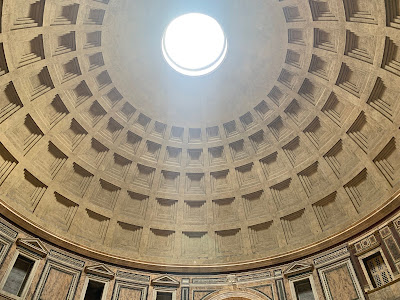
{"points": [[18, 277], [304, 290], [94, 290], [164, 296]]}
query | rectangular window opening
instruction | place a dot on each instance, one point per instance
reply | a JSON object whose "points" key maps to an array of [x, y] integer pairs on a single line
{"points": [[164, 296], [94, 290], [304, 290], [377, 270], [18, 277]]}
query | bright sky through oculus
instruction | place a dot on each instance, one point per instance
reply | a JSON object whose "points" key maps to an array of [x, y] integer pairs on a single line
{"points": [[194, 44]]}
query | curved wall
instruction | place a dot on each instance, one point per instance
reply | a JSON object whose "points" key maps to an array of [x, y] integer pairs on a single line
{"points": [[335, 273], [310, 164]]}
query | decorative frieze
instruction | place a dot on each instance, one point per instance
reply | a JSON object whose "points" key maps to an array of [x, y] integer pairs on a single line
{"points": [[132, 276], [366, 244], [331, 257]]}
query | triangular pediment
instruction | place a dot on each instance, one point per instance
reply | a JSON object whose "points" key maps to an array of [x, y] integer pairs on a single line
{"points": [[33, 245], [165, 281], [100, 270], [297, 268]]}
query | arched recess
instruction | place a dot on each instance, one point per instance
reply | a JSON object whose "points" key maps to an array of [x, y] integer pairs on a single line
{"points": [[235, 295]]}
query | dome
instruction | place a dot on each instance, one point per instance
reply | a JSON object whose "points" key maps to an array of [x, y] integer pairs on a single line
{"points": [[287, 148]]}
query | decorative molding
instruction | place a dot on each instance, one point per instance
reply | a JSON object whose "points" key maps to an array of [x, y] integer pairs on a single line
{"points": [[203, 294], [241, 293], [331, 257], [209, 280], [123, 285], [280, 289], [7, 231], [185, 293], [34, 245], [297, 268], [56, 266], [301, 277], [5, 246], [100, 270], [391, 248], [165, 281], [366, 244], [347, 266], [254, 277], [259, 289], [132, 276], [65, 259]]}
